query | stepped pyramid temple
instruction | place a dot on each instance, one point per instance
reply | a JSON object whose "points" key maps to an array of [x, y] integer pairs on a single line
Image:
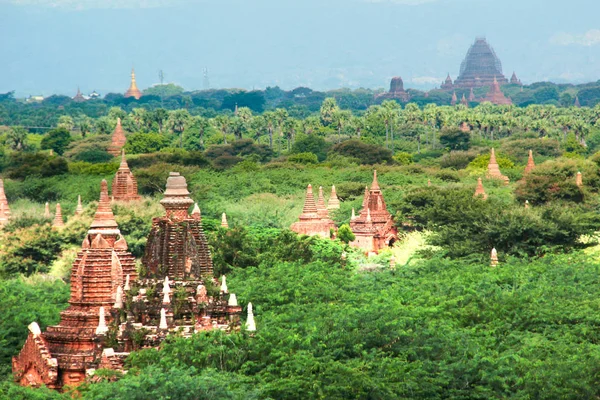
{"points": [[374, 227], [479, 68], [133, 90], [314, 220], [124, 186], [118, 140], [113, 311], [396, 91], [496, 96], [494, 169], [4, 208]]}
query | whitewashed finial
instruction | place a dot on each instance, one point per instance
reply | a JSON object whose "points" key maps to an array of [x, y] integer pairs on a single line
{"points": [[166, 287], [224, 285], [166, 298], [102, 328], [127, 287], [119, 298], [232, 300], [34, 328], [163, 319], [250, 324]]}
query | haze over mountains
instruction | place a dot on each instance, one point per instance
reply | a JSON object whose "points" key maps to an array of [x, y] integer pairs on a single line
{"points": [[51, 46]]}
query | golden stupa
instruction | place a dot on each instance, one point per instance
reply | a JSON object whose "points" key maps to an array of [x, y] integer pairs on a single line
{"points": [[133, 90]]}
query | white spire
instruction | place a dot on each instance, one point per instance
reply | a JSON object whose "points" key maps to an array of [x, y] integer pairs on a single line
{"points": [[102, 328], [224, 285], [119, 298], [127, 287], [34, 328], [166, 298], [250, 324], [232, 300], [163, 319], [353, 217], [166, 287]]}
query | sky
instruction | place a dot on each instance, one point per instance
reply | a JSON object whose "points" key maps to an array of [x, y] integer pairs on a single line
{"points": [[54, 46]]}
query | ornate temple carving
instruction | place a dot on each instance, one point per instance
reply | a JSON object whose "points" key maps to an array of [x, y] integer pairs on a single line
{"points": [[118, 140], [124, 186], [374, 227], [314, 219], [133, 90], [480, 66], [177, 246]]}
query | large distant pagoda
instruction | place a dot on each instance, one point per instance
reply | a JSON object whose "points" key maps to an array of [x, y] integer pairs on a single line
{"points": [[133, 90], [480, 67], [396, 91], [374, 227]]}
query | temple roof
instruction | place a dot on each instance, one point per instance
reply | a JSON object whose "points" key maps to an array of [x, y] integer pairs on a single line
{"points": [[176, 193], [480, 65], [104, 219]]}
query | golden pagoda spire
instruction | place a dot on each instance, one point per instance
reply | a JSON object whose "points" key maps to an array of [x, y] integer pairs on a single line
{"points": [[133, 90]]}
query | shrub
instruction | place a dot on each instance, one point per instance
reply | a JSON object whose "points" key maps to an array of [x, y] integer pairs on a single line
{"points": [[457, 159], [226, 161], [86, 168], [366, 153], [447, 175], [139, 143], [403, 158], [57, 139], [312, 144], [23, 165], [455, 139], [304, 158], [482, 161]]}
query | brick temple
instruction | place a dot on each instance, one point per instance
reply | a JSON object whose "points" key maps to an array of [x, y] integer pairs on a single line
{"points": [[314, 219], [396, 91], [118, 140], [374, 227], [479, 68], [494, 169], [112, 311], [495, 95], [4, 207], [124, 185]]}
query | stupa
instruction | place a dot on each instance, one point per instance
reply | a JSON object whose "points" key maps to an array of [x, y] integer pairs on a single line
{"points": [[577, 103], [177, 246], [494, 258], [514, 80], [480, 191], [530, 163], [58, 218], [447, 84], [321, 207], [311, 222], [133, 90], [124, 186], [454, 99], [494, 169], [79, 208], [396, 91], [224, 223], [4, 207], [78, 98], [118, 140], [334, 202], [496, 96], [579, 179], [480, 67], [464, 101], [471, 95], [374, 227], [64, 353]]}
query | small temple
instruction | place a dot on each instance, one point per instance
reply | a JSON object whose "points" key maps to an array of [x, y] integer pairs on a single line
{"points": [[4, 207], [314, 219], [133, 90], [78, 98], [480, 67], [514, 80], [447, 84], [454, 99], [175, 234], [113, 311], [124, 185], [374, 227], [494, 169], [480, 191], [224, 223], [530, 163], [396, 91], [118, 140], [58, 218], [79, 208], [495, 95]]}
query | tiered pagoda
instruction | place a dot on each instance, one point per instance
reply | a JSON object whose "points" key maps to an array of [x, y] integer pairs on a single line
{"points": [[4, 207], [124, 186], [78, 98], [118, 140], [494, 169], [177, 246], [133, 90], [447, 84], [374, 227], [64, 353], [514, 80], [480, 191], [480, 67], [496, 96], [175, 293], [530, 163], [313, 221], [334, 202], [396, 91]]}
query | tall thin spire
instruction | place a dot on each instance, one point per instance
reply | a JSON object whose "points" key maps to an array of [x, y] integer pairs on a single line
{"points": [[530, 163], [375, 184], [79, 209], [334, 202], [133, 90], [58, 219], [250, 323]]}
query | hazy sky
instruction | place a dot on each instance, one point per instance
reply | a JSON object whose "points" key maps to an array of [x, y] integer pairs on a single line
{"points": [[51, 46]]}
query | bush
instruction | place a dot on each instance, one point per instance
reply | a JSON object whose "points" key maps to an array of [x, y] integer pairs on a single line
{"points": [[139, 143], [482, 161], [57, 139], [226, 161], [403, 158], [86, 168], [457, 159], [447, 176], [304, 158], [364, 152], [312, 144], [239, 148], [177, 156], [455, 139], [23, 165]]}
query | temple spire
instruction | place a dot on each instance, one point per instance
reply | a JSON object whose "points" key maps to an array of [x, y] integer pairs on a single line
{"points": [[454, 99], [196, 212], [224, 223], [47, 211], [133, 90], [102, 329], [334, 202], [530, 163], [79, 209], [321, 208], [579, 179], [250, 323], [58, 219], [494, 258], [480, 191], [375, 184], [104, 219]]}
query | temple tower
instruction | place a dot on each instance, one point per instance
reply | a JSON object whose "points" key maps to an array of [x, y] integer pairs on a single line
{"points": [[79, 208], [334, 202], [62, 355], [58, 218], [496, 96], [447, 84], [480, 67], [494, 169], [133, 90], [373, 227], [530, 163], [124, 186], [177, 246], [310, 221], [480, 191], [118, 140]]}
